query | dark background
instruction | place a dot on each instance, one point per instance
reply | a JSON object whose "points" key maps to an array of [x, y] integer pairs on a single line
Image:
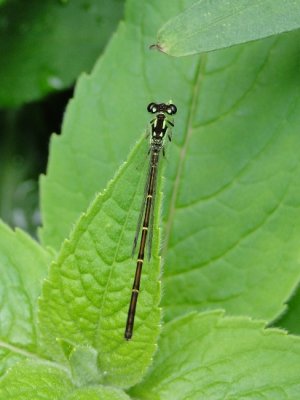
{"points": [[44, 47]]}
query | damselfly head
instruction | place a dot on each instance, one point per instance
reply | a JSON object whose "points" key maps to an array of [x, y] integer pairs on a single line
{"points": [[154, 108]]}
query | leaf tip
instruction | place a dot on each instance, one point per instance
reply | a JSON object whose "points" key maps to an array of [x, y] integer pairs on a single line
{"points": [[156, 46]]}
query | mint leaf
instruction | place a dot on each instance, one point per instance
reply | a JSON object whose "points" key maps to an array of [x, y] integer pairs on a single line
{"points": [[30, 380], [51, 27], [211, 25], [23, 265], [231, 195], [208, 356], [107, 115], [84, 367], [232, 232], [290, 319], [85, 299], [98, 392]]}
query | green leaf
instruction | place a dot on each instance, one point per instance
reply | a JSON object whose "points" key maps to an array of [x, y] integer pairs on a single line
{"points": [[212, 24], [232, 192], [232, 231], [44, 49], [30, 380], [97, 393], [106, 116], [208, 356], [290, 319], [85, 300], [83, 362], [23, 266]]}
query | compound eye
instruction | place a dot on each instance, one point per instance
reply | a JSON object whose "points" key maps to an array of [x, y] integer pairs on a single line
{"points": [[172, 109], [152, 107]]}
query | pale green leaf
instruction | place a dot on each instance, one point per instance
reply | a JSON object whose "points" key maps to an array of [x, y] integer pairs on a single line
{"points": [[46, 44], [235, 213], [33, 380], [213, 24], [208, 356], [232, 195], [23, 265], [86, 298], [84, 366], [97, 393]]}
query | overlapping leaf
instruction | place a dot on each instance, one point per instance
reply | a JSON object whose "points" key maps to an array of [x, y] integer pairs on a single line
{"points": [[232, 194], [231, 235], [208, 356], [45, 381], [23, 265], [212, 24], [85, 300], [107, 115], [290, 320]]}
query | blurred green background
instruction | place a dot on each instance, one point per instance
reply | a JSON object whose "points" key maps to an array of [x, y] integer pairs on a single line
{"points": [[39, 63]]}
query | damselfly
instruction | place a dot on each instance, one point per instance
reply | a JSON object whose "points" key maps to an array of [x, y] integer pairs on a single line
{"points": [[160, 128]]}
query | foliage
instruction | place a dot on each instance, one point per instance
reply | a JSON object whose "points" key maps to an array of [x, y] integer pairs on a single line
{"points": [[63, 53], [213, 25], [229, 238]]}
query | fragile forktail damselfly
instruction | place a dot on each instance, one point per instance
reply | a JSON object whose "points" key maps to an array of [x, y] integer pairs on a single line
{"points": [[160, 128]]}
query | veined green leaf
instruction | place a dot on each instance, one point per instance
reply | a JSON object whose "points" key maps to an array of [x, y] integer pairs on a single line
{"points": [[213, 24], [231, 214], [30, 380], [235, 211], [107, 115], [208, 356], [98, 392], [23, 265], [84, 366], [86, 298]]}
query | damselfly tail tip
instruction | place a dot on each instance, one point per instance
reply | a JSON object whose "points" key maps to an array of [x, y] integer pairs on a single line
{"points": [[127, 335]]}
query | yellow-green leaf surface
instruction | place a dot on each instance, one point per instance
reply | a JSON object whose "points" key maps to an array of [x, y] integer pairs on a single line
{"points": [[86, 297], [42, 47], [31, 380], [208, 356], [84, 366], [231, 204], [23, 266], [97, 393], [213, 24]]}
